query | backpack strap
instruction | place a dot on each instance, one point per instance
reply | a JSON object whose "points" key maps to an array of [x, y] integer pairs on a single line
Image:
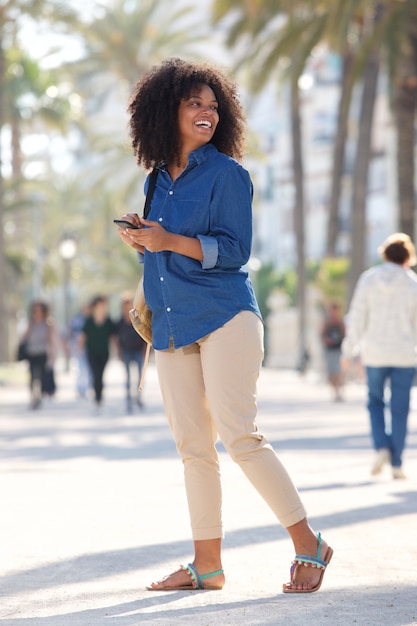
{"points": [[149, 194]]}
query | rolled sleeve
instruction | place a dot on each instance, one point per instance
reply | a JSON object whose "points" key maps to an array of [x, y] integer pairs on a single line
{"points": [[210, 248]]}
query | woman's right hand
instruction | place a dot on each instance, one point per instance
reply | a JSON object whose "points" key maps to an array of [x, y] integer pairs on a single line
{"points": [[124, 236]]}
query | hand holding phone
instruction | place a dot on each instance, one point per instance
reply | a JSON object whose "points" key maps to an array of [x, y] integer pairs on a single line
{"points": [[124, 224]]}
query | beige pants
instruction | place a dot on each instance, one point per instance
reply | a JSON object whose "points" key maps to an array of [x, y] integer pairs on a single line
{"points": [[209, 391]]}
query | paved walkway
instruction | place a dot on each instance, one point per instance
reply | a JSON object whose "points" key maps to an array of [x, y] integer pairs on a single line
{"points": [[92, 508]]}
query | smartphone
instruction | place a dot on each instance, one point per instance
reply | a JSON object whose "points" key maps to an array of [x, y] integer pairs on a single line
{"points": [[125, 224]]}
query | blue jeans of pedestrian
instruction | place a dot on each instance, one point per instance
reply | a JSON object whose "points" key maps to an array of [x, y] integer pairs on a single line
{"points": [[390, 433], [136, 357]]}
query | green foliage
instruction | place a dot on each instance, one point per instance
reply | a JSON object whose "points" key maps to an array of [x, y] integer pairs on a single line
{"points": [[120, 42], [329, 275], [268, 279], [16, 263], [332, 278], [32, 93], [264, 283]]}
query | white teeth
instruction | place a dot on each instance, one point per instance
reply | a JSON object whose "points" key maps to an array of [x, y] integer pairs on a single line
{"points": [[204, 123]]}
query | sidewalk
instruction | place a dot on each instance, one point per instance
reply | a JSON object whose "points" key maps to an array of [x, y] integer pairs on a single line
{"points": [[93, 509]]}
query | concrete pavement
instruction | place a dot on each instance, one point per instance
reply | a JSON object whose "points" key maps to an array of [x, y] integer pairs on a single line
{"points": [[92, 508]]}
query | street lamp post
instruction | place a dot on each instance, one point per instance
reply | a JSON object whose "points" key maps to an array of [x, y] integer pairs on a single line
{"points": [[67, 250]]}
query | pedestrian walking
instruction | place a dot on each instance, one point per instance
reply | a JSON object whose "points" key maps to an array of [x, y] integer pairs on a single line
{"points": [[332, 334], [40, 347], [382, 329], [132, 351], [83, 373], [97, 336], [186, 119]]}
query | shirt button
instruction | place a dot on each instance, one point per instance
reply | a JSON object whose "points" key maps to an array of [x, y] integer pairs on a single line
{"points": [[161, 278], [160, 219], [168, 309], [171, 193]]}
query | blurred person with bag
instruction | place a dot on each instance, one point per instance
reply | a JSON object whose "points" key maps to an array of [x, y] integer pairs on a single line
{"points": [[40, 347]]}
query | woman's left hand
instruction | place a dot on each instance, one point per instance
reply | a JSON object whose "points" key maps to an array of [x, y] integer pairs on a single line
{"points": [[154, 237]]}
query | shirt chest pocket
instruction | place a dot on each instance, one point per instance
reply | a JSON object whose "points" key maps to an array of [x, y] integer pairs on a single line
{"points": [[187, 216]]}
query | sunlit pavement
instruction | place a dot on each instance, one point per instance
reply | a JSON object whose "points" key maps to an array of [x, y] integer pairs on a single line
{"points": [[92, 508]]}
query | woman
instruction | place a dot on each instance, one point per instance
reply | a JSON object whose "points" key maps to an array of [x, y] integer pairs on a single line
{"points": [[40, 350], [97, 334], [186, 119], [382, 329]]}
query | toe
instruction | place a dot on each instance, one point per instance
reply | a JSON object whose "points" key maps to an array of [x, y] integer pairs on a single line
{"points": [[178, 578], [298, 586]]}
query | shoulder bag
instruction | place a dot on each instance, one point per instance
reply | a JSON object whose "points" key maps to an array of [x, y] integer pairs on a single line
{"points": [[140, 314]]}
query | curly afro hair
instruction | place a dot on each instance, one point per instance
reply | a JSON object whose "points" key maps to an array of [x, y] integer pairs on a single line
{"points": [[153, 109]]}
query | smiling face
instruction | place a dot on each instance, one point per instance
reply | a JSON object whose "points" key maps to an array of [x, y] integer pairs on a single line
{"points": [[198, 117]]}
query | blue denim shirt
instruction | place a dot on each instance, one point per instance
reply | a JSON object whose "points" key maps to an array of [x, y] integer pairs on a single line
{"points": [[210, 200]]}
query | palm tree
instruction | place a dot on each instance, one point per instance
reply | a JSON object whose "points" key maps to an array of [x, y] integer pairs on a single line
{"points": [[4, 350], [360, 173], [11, 11], [129, 37], [123, 42], [31, 96], [347, 35], [393, 38], [359, 31], [279, 30], [386, 34], [119, 47], [403, 69]]}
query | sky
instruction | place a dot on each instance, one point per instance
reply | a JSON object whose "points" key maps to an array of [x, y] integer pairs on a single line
{"points": [[40, 39]]}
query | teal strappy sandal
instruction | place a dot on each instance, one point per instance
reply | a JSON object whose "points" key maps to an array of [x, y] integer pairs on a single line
{"points": [[196, 580], [304, 560]]}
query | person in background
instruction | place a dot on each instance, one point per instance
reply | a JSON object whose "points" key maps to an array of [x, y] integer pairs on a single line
{"points": [[382, 329], [83, 378], [40, 348], [332, 335], [131, 349], [187, 120], [97, 336], [49, 386]]}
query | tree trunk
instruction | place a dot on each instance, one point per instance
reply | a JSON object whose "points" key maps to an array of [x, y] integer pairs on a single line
{"points": [[298, 173], [4, 348], [339, 153], [15, 146], [405, 111], [405, 106], [361, 170]]}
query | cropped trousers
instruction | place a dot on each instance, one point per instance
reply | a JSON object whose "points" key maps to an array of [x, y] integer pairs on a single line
{"points": [[209, 392]]}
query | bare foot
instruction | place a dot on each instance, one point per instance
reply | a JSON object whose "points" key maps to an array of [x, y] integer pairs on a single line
{"points": [[181, 579], [307, 578]]}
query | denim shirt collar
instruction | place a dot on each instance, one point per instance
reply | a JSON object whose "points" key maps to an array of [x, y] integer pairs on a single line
{"points": [[196, 157]]}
